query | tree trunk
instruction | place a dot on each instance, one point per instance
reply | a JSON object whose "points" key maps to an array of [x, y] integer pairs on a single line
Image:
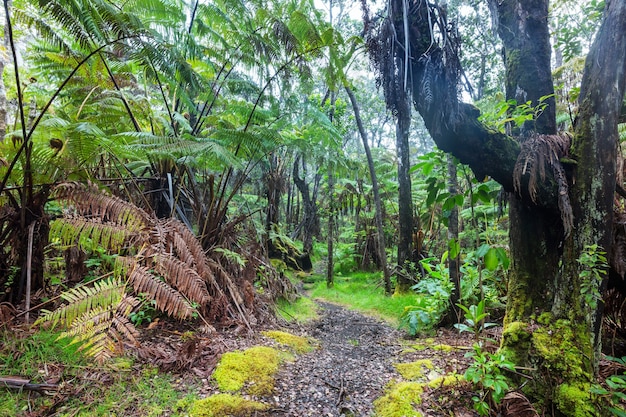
{"points": [[405, 204], [551, 325], [310, 224], [453, 315], [382, 252]]}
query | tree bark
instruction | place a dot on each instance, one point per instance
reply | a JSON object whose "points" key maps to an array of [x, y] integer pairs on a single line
{"points": [[453, 315], [310, 224], [549, 325], [382, 252], [405, 204]]}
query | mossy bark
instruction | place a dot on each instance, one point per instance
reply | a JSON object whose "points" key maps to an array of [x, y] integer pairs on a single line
{"points": [[549, 326]]}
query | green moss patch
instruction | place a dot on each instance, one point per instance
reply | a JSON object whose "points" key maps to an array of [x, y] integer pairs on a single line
{"points": [[399, 400], [414, 370], [253, 368], [446, 380], [444, 348], [223, 405], [575, 401], [563, 349], [297, 343]]}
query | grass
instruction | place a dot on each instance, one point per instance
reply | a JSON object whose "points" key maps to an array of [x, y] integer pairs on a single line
{"points": [[363, 291], [120, 388], [303, 310]]}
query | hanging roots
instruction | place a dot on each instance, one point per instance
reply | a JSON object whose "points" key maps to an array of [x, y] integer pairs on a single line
{"points": [[537, 152]]}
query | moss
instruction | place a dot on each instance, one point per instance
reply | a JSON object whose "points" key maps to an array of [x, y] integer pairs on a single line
{"points": [[446, 380], [254, 367], [414, 370], [399, 400], [516, 342], [222, 405], [297, 343], [425, 344], [545, 318], [444, 348], [563, 347], [575, 400]]}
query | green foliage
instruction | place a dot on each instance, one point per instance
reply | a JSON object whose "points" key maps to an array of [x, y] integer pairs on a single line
{"points": [[130, 388], [614, 390], [594, 267], [363, 291], [475, 316], [433, 297], [486, 375], [301, 310], [507, 114]]}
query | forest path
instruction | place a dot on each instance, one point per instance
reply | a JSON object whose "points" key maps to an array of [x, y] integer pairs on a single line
{"points": [[346, 374]]}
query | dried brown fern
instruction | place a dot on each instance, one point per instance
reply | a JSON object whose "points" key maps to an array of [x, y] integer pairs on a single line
{"points": [[167, 299], [160, 259], [515, 404], [90, 202], [538, 152], [182, 277]]}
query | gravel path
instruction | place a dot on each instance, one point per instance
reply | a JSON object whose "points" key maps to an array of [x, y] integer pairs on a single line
{"points": [[346, 374]]}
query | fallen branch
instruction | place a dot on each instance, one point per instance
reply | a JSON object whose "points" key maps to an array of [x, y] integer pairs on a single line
{"points": [[19, 383]]}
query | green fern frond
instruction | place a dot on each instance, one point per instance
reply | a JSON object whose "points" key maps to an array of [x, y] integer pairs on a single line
{"points": [[91, 234], [80, 300]]}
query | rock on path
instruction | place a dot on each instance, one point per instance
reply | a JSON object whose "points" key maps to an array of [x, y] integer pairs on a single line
{"points": [[346, 374]]}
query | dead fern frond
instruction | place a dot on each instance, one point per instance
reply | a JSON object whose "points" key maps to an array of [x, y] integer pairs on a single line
{"points": [[186, 246], [182, 277], [167, 299], [538, 152], [89, 201], [515, 404]]}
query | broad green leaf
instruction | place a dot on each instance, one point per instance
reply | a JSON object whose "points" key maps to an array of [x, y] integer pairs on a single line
{"points": [[491, 259]]}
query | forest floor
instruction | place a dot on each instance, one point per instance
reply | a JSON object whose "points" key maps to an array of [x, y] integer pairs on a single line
{"points": [[358, 361], [360, 366]]}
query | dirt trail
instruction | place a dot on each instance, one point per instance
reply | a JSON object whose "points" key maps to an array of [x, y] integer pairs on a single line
{"points": [[346, 374]]}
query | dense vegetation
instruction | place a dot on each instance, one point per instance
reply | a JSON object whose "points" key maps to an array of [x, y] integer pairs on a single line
{"points": [[203, 161]]}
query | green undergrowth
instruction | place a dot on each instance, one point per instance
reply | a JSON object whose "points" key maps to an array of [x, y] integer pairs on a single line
{"points": [[302, 310], [120, 387], [363, 291]]}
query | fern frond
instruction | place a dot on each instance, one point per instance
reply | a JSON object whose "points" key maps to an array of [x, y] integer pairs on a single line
{"points": [[186, 246], [182, 277], [91, 202], [91, 234], [167, 299], [80, 300]]}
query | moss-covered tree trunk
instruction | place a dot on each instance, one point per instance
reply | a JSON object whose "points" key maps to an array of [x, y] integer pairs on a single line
{"points": [[552, 320]]}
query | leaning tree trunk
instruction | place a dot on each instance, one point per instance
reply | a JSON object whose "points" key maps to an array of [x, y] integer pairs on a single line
{"points": [[551, 325], [382, 252]]}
